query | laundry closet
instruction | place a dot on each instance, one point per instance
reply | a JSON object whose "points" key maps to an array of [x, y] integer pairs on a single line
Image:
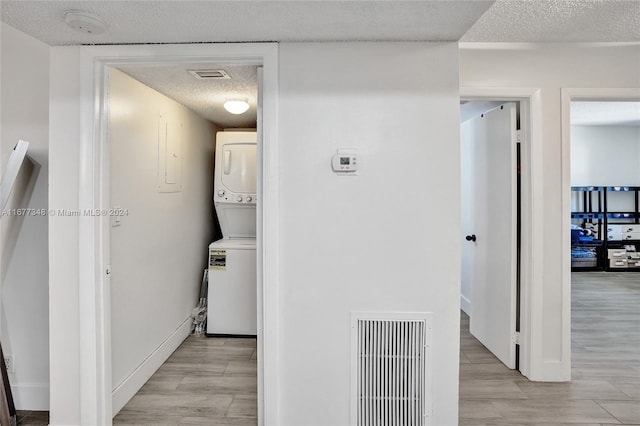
{"points": [[232, 259], [182, 174]]}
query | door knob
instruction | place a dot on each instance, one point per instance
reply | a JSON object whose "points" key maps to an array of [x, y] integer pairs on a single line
{"points": [[470, 237]]}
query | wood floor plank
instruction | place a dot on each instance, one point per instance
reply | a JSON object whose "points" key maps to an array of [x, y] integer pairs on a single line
{"points": [[625, 412], [576, 389], [243, 406], [219, 385], [241, 368], [217, 421], [32, 418], [534, 411], [483, 389]]}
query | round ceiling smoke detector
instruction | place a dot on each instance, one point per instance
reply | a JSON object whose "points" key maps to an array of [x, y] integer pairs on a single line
{"points": [[85, 22]]}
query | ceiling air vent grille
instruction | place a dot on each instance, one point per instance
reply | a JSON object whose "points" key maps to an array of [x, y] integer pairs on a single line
{"points": [[210, 74]]}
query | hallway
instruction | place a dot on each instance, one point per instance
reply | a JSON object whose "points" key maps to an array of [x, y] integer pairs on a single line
{"points": [[605, 386]]}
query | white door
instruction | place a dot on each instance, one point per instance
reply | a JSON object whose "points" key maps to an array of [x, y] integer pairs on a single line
{"points": [[492, 230]]}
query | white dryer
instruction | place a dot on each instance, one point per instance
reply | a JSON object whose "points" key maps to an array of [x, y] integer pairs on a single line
{"points": [[234, 184]]}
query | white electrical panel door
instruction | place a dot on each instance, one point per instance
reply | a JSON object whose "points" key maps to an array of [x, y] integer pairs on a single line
{"points": [[173, 154], [169, 155], [492, 232]]}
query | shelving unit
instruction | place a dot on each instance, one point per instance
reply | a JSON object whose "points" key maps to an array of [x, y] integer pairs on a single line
{"points": [[588, 212], [613, 227], [623, 229]]}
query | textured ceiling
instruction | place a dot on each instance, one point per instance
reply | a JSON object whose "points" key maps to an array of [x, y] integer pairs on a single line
{"points": [[182, 21], [232, 21], [558, 21], [205, 97], [185, 21], [237, 21], [605, 113]]}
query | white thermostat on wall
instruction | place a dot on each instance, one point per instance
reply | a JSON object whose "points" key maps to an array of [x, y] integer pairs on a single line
{"points": [[345, 162]]}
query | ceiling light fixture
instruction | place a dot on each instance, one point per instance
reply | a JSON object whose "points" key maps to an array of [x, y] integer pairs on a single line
{"points": [[236, 106], [84, 22]]}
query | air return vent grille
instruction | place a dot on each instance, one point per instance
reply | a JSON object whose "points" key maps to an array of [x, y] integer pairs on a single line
{"points": [[389, 384], [210, 74]]}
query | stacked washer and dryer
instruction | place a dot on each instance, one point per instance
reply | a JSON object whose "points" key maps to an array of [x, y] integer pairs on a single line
{"points": [[232, 297]]}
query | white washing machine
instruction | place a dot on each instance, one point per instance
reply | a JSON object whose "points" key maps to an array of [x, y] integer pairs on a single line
{"points": [[232, 296]]}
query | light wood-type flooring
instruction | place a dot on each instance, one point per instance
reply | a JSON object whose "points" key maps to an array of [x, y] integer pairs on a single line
{"points": [[206, 381], [605, 386], [32, 418], [210, 381]]}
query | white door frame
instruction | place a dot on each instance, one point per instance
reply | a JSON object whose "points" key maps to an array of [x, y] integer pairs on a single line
{"points": [[567, 96], [531, 321], [95, 344]]}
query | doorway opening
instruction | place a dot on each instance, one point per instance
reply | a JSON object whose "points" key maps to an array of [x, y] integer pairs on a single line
{"points": [[605, 159], [163, 124], [95, 406], [491, 219], [568, 96], [602, 134]]}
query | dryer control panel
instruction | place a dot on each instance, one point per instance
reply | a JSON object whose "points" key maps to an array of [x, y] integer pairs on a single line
{"points": [[223, 196]]}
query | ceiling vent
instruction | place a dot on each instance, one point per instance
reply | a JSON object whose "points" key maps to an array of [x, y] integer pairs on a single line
{"points": [[210, 74]]}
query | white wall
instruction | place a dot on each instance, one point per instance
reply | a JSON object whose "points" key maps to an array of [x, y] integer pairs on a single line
{"points": [[605, 156], [550, 67], [24, 312], [159, 252], [386, 240], [64, 285]]}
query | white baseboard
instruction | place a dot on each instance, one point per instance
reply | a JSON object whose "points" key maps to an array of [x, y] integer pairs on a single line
{"points": [[465, 305], [132, 384], [30, 396], [552, 371]]}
